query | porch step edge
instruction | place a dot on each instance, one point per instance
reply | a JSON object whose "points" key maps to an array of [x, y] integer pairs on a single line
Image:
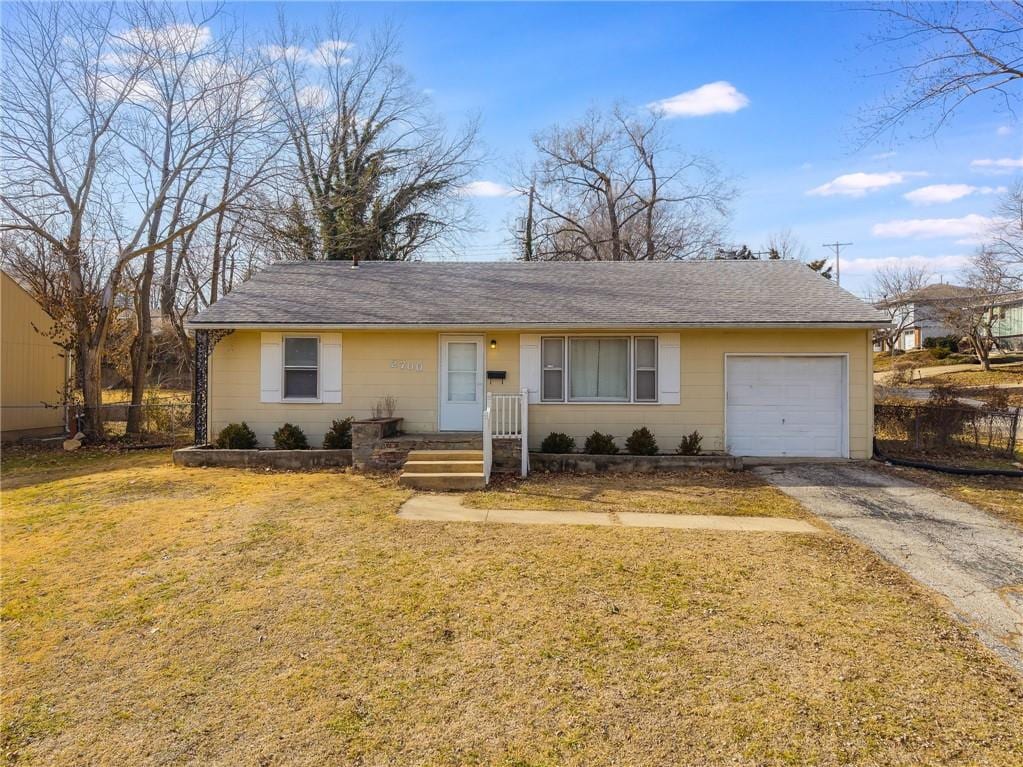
{"points": [[445, 455], [443, 467]]}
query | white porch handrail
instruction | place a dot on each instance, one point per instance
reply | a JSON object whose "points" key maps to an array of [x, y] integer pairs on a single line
{"points": [[488, 442], [506, 417], [524, 429]]}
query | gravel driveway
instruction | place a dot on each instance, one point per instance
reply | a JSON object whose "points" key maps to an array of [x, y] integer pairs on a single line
{"points": [[970, 557]]}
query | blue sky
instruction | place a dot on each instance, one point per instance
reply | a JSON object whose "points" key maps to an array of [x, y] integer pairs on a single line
{"points": [[800, 68]]}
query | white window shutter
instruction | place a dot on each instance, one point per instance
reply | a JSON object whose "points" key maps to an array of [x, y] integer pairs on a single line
{"points": [[669, 368], [271, 367], [529, 365], [330, 367]]}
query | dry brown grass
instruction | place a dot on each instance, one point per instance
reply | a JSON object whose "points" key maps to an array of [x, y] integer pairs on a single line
{"points": [[731, 493], [152, 394], [155, 615], [1010, 374], [921, 358], [1000, 495]]}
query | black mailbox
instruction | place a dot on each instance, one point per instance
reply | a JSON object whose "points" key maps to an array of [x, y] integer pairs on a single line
{"points": [[496, 375]]}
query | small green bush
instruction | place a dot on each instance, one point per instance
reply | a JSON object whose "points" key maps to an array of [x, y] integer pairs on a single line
{"points": [[339, 435], [557, 442], [690, 444], [600, 444], [290, 437], [940, 352], [641, 442], [237, 436], [942, 342]]}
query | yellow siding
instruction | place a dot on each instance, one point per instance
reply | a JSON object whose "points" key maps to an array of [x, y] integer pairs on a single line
{"points": [[702, 406], [368, 375], [32, 367]]}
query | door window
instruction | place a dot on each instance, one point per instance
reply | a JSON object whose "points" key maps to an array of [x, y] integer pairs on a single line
{"points": [[462, 372]]}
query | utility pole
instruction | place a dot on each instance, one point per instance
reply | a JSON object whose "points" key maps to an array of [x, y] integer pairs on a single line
{"points": [[837, 247]]}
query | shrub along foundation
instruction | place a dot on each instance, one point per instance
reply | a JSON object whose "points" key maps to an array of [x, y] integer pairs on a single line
{"points": [[583, 463]]}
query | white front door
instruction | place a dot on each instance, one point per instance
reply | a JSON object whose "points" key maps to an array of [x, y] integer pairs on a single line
{"points": [[461, 383], [786, 406]]}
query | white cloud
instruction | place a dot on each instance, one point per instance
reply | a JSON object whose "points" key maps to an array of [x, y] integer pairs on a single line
{"points": [[1004, 130], [1001, 165], [313, 96], [938, 193], [968, 229], [179, 38], [938, 264], [859, 184], [487, 189], [709, 99], [326, 53]]}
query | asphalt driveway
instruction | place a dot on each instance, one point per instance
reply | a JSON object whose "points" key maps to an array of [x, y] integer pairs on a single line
{"points": [[968, 556]]}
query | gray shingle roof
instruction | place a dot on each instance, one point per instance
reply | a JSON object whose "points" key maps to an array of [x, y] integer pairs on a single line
{"points": [[741, 293]]}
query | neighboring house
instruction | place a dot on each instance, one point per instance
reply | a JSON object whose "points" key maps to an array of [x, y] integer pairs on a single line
{"points": [[919, 313], [1007, 324], [33, 369], [761, 357]]}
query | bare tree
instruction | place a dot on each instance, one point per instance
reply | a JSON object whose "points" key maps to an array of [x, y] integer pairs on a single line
{"points": [[1006, 236], [380, 176], [611, 188], [945, 54], [893, 288], [785, 245], [973, 316], [83, 172]]}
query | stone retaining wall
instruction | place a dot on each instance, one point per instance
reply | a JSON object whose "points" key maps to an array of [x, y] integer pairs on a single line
{"points": [[263, 459], [588, 464]]}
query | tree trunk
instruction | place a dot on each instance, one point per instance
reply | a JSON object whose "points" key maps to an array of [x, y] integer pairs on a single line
{"points": [[612, 220], [88, 361], [141, 346], [651, 250], [528, 239]]}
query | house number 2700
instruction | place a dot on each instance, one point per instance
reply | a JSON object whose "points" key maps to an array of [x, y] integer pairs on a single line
{"points": [[412, 365]]}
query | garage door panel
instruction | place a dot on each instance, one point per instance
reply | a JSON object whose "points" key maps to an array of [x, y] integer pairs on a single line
{"points": [[786, 406]]}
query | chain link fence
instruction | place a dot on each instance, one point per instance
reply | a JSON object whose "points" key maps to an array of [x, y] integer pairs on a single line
{"points": [[165, 421], [942, 428]]}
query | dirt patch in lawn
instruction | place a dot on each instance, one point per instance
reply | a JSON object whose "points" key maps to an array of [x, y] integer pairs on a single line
{"points": [[1000, 495], [732, 493], [156, 615]]}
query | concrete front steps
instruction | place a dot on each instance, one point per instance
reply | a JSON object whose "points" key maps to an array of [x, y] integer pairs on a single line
{"points": [[443, 470]]}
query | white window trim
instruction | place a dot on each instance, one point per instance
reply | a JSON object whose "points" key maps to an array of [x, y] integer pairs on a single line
{"points": [[636, 369], [566, 371], [562, 369], [285, 367]]}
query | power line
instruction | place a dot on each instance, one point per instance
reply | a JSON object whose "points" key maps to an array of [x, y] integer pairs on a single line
{"points": [[837, 247]]}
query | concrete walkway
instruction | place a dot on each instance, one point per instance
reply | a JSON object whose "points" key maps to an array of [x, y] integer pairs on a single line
{"points": [[449, 508], [970, 557]]}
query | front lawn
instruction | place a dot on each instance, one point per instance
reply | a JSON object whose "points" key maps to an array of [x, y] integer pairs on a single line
{"points": [[157, 615], [732, 493], [1010, 374], [921, 358]]}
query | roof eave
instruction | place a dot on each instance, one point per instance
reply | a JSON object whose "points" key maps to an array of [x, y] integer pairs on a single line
{"points": [[818, 325]]}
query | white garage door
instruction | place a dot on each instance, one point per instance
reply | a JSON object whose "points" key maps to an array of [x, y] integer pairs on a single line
{"points": [[786, 406]]}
